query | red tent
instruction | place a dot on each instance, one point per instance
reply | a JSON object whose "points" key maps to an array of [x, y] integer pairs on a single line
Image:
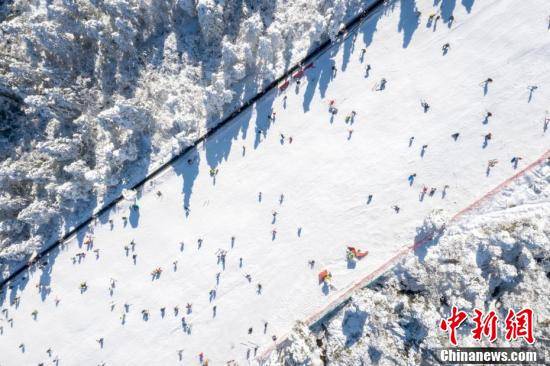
{"points": [[358, 253]]}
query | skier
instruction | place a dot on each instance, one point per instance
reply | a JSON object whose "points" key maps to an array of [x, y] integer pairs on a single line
{"points": [[423, 193], [290, 140], [455, 135], [350, 131], [240, 261], [411, 178], [248, 277], [259, 291], [332, 109], [485, 85], [515, 160], [260, 196], [159, 194], [486, 119], [445, 48], [367, 70], [250, 330], [396, 208], [349, 255], [425, 106], [432, 191], [444, 192], [382, 84], [334, 70], [311, 263], [100, 341], [189, 307], [214, 308], [273, 234]]}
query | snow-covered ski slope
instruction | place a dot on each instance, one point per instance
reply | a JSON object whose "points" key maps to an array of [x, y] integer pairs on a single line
{"points": [[325, 176]]}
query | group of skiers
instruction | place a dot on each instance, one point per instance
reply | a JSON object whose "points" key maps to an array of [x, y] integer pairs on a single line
{"points": [[325, 276]]}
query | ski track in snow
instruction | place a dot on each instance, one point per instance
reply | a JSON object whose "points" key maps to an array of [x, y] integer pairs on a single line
{"points": [[325, 176]]}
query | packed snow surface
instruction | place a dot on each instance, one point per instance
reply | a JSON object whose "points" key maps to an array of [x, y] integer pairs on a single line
{"points": [[252, 193]]}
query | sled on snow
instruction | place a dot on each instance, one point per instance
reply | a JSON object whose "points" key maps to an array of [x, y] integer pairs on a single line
{"points": [[284, 85], [298, 74]]}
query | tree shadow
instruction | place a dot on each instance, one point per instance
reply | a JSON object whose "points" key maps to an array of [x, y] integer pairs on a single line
{"points": [[349, 46], [353, 324], [468, 4], [408, 21], [312, 81], [263, 122], [369, 27], [134, 216], [447, 9], [325, 69]]}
